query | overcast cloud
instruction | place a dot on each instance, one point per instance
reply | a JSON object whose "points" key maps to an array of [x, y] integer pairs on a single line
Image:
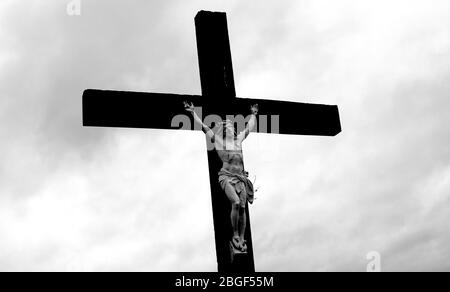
{"points": [[74, 198]]}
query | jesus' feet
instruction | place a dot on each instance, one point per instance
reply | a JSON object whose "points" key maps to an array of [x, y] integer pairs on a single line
{"points": [[236, 242], [243, 245]]}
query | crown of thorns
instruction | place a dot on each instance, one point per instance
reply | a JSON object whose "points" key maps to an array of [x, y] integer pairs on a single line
{"points": [[226, 122]]}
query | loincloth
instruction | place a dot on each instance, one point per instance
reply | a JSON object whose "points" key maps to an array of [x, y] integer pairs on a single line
{"points": [[241, 184]]}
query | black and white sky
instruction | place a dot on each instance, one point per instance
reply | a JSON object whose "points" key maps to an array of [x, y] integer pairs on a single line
{"points": [[91, 199]]}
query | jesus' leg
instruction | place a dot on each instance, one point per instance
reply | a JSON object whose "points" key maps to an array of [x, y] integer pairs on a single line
{"points": [[242, 226], [235, 206]]}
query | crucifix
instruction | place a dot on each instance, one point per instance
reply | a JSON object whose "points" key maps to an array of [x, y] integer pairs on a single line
{"points": [[105, 108]]}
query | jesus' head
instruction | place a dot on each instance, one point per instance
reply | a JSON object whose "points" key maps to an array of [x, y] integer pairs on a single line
{"points": [[226, 129]]}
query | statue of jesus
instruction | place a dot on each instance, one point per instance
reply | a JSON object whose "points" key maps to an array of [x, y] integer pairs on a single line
{"points": [[233, 179]]}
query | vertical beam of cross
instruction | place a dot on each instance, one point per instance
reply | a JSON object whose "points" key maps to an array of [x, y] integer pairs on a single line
{"points": [[217, 81]]}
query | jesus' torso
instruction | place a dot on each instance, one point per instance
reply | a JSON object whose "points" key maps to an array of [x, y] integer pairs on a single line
{"points": [[230, 152]]}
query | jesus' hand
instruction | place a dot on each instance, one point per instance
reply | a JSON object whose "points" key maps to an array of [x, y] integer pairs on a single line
{"points": [[254, 108], [189, 107]]}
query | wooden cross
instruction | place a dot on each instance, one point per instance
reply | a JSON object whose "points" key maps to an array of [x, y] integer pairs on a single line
{"points": [[131, 110]]}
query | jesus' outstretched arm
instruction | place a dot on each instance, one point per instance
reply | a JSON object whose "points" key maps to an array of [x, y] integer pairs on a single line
{"points": [[190, 108], [251, 123]]}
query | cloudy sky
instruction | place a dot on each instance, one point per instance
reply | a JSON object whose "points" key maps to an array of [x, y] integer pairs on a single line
{"points": [[91, 199]]}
